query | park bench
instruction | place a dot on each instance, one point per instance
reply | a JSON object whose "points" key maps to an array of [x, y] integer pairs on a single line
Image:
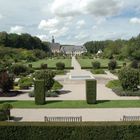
{"points": [[131, 118], [62, 119]]}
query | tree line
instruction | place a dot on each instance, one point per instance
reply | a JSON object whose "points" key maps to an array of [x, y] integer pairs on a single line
{"points": [[129, 49], [25, 41]]}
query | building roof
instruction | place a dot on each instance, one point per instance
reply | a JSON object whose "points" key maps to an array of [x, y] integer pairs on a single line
{"points": [[55, 46], [73, 48]]}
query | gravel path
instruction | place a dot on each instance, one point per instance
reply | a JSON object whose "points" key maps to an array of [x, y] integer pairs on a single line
{"points": [[87, 114]]}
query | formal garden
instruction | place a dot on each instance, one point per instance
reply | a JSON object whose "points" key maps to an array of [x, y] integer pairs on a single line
{"points": [[38, 77]]}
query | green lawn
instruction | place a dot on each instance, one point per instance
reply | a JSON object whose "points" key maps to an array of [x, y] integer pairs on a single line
{"points": [[104, 62], [51, 62], [76, 104]]}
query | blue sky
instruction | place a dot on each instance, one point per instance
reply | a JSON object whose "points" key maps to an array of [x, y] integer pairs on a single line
{"points": [[71, 21]]}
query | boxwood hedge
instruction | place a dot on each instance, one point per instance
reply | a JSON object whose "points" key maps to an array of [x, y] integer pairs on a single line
{"points": [[70, 131]]}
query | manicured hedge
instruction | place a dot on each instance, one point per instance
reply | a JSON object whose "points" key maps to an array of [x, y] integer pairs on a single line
{"points": [[39, 92], [54, 68], [102, 67], [91, 89], [70, 131]]}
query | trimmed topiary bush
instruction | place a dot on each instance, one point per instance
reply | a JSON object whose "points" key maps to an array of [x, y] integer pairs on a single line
{"points": [[129, 78], [60, 66], [112, 64], [96, 65], [6, 81], [91, 89], [39, 90], [44, 66]]}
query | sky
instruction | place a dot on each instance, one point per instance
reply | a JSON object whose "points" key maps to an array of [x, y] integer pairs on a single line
{"points": [[71, 21]]}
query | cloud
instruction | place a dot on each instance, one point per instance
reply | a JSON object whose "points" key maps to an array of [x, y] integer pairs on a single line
{"points": [[17, 29], [102, 8], [135, 20], [59, 33], [43, 37], [1, 16], [80, 24], [47, 24]]}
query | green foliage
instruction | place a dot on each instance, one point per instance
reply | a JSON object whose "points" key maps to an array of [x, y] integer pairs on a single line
{"points": [[134, 64], [20, 69], [25, 41], [112, 64], [98, 71], [6, 81], [70, 131], [121, 92], [60, 66], [3, 115], [91, 89], [25, 82], [39, 90], [57, 86], [113, 84], [129, 78], [47, 76], [96, 65], [44, 66]]}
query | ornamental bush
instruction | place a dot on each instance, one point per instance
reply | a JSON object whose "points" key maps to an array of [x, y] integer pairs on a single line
{"points": [[96, 65], [25, 82], [6, 81], [60, 66], [91, 89], [129, 78], [19, 69], [39, 90], [47, 76], [134, 64], [44, 66], [112, 64]]}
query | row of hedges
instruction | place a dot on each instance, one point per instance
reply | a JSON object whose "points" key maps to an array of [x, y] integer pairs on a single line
{"points": [[53, 68], [70, 131], [102, 67]]}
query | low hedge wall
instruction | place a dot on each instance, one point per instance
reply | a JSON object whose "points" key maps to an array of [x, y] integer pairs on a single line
{"points": [[54, 68], [70, 131], [105, 67]]}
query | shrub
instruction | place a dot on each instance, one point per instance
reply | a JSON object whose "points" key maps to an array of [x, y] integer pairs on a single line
{"points": [[19, 69], [96, 65], [44, 66], [60, 66], [120, 92], [57, 86], [70, 131], [91, 86], [6, 81], [3, 115], [51, 94], [47, 76], [112, 65], [129, 78], [6, 108], [98, 71], [39, 90], [30, 65], [25, 82], [113, 84], [134, 64]]}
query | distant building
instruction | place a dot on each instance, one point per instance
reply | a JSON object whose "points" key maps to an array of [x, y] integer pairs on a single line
{"points": [[73, 50], [67, 49], [55, 47], [99, 53]]}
